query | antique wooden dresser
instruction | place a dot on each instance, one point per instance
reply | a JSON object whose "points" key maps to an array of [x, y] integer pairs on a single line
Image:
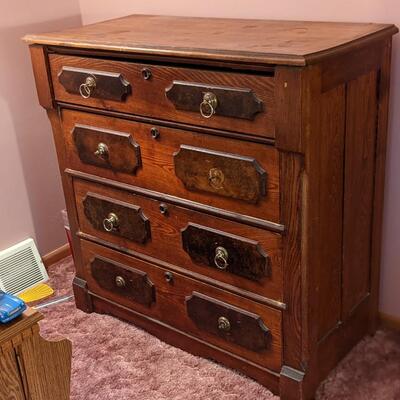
{"points": [[224, 181]]}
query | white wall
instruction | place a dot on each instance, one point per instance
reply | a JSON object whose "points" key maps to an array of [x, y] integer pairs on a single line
{"points": [[30, 194]]}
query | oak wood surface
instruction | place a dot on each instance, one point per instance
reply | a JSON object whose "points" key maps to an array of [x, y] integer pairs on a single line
{"points": [[166, 243], [157, 170], [148, 97], [170, 306], [316, 140], [361, 117], [11, 386], [266, 41]]}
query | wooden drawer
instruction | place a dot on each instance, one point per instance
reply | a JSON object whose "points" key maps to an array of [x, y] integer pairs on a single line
{"points": [[228, 252], [242, 102], [240, 326], [231, 174]]}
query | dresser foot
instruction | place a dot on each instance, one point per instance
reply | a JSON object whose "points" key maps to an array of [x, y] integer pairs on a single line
{"points": [[291, 384], [83, 300]]}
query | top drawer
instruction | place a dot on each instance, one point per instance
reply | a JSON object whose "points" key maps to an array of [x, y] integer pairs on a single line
{"points": [[223, 100]]}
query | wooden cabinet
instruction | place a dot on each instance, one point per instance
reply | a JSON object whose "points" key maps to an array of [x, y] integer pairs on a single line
{"points": [[224, 180], [32, 368]]}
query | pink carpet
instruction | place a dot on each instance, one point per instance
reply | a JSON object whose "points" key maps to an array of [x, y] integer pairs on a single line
{"points": [[115, 360]]}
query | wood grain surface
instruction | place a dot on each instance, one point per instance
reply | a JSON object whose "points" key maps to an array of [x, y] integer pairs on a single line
{"points": [[148, 97], [245, 40], [157, 171], [170, 305], [166, 243]]}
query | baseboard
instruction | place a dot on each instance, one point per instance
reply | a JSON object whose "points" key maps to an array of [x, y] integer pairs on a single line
{"points": [[389, 321], [56, 255]]}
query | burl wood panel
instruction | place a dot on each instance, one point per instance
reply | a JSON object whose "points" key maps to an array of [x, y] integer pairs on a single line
{"points": [[166, 240], [228, 175], [157, 171], [127, 282], [120, 154], [170, 307], [358, 189], [131, 224], [108, 86], [244, 257], [231, 102], [148, 95], [240, 40], [244, 328]]}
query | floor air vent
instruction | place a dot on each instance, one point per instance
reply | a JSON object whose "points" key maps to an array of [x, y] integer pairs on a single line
{"points": [[21, 267]]}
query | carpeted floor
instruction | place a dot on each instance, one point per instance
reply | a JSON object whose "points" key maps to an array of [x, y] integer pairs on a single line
{"points": [[114, 360]]}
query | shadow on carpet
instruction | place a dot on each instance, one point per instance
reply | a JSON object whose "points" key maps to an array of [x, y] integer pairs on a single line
{"points": [[116, 360]]}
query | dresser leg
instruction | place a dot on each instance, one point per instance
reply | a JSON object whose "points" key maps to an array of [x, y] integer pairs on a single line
{"points": [[83, 300], [291, 383]]}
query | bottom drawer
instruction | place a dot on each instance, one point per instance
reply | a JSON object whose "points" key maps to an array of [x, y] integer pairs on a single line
{"points": [[243, 327]]}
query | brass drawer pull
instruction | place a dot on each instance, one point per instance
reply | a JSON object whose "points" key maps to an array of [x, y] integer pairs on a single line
{"points": [[120, 281], [102, 150], [208, 105], [87, 88], [224, 324], [111, 222], [221, 258], [216, 178]]}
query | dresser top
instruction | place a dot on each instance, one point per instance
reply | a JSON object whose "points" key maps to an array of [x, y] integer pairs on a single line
{"points": [[238, 40]]}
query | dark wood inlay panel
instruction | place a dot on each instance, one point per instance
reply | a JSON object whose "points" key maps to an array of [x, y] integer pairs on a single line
{"points": [[108, 85], [229, 175], [231, 323], [104, 148], [127, 282], [231, 102], [130, 222], [243, 257]]}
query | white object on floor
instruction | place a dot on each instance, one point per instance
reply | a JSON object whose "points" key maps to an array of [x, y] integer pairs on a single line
{"points": [[21, 267]]}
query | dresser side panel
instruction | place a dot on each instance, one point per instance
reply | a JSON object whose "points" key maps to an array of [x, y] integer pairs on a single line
{"points": [[361, 114]]}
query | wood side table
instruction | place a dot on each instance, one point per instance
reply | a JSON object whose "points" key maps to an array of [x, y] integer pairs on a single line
{"points": [[31, 367]]}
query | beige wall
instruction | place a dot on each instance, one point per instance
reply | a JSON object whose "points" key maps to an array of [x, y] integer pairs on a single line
{"points": [[338, 10], [30, 193]]}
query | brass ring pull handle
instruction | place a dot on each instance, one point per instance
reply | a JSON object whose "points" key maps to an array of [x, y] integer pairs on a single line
{"points": [[224, 324], [208, 105], [221, 258], [120, 281], [216, 178], [102, 150], [87, 88], [111, 222]]}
